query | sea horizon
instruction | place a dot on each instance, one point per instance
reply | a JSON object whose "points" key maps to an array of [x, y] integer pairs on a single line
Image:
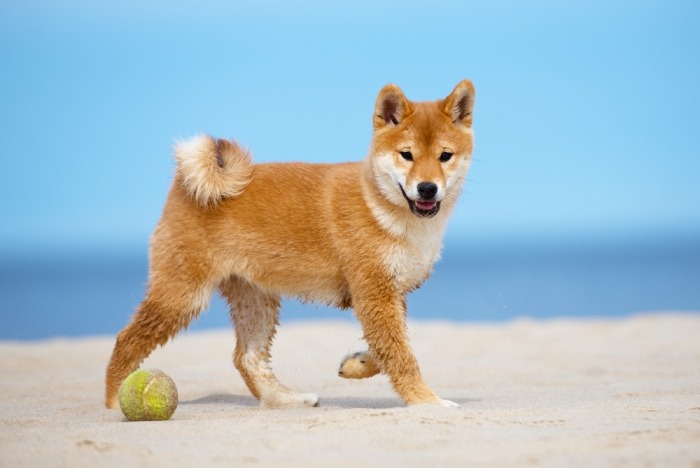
{"points": [[71, 294]]}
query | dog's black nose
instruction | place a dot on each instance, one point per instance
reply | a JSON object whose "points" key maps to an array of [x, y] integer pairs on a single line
{"points": [[427, 190]]}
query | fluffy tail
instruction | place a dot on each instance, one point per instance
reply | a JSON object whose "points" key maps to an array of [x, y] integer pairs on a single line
{"points": [[212, 169]]}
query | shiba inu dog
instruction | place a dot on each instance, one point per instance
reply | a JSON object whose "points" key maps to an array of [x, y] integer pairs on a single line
{"points": [[355, 235]]}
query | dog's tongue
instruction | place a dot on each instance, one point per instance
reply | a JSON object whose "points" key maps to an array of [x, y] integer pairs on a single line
{"points": [[425, 206]]}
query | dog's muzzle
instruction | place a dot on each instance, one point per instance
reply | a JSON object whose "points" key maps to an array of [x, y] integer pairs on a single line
{"points": [[428, 206]]}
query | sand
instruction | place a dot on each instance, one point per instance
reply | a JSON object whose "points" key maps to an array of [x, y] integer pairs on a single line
{"points": [[618, 392]]}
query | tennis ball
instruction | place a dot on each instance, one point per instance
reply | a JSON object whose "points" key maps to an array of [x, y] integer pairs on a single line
{"points": [[148, 395]]}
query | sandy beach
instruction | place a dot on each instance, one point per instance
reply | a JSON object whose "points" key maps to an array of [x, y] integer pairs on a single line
{"points": [[594, 392]]}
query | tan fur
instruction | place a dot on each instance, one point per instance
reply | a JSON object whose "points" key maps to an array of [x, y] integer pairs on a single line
{"points": [[342, 234], [360, 365], [212, 169]]}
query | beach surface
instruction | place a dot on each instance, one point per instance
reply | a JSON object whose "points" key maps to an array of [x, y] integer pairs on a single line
{"points": [[564, 392]]}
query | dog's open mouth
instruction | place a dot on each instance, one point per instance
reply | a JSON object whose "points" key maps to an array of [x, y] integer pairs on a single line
{"points": [[422, 208]]}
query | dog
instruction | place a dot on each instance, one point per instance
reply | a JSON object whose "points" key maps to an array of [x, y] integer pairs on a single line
{"points": [[357, 235]]}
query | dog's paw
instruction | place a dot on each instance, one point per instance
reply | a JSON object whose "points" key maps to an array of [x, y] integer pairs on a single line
{"points": [[358, 366], [112, 402], [289, 400], [448, 403], [436, 402]]}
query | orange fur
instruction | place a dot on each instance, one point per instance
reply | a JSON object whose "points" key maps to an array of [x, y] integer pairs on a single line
{"points": [[358, 235]]}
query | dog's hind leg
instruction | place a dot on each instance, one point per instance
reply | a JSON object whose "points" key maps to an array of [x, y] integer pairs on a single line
{"points": [[175, 296], [255, 313]]}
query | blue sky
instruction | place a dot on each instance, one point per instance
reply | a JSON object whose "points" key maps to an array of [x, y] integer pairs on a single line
{"points": [[587, 113]]}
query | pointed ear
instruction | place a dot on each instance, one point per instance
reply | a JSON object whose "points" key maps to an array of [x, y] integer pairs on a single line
{"points": [[391, 107], [460, 103]]}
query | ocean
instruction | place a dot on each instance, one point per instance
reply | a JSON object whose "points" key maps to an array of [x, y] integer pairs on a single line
{"points": [[81, 295]]}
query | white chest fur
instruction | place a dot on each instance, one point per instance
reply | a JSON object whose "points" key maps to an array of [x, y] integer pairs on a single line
{"points": [[416, 242], [411, 257]]}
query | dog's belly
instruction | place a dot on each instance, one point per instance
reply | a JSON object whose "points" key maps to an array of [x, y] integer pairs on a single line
{"points": [[323, 290], [309, 283], [328, 289]]}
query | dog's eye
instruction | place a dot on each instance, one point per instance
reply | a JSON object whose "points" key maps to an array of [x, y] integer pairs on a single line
{"points": [[445, 156], [407, 155]]}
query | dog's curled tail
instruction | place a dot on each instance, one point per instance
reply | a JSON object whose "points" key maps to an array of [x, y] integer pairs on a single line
{"points": [[212, 169]]}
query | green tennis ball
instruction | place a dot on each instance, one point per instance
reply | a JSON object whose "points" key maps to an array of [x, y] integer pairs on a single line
{"points": [[148, 395]]}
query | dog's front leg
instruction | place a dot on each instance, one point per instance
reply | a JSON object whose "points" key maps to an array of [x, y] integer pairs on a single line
{"points": [[382, 313]]}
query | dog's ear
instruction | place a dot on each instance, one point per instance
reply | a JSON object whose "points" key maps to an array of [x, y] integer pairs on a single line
{"points": [[460, 103], [391, 107]]}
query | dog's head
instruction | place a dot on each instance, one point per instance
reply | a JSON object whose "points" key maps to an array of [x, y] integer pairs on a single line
{"points": [[421, 151]]}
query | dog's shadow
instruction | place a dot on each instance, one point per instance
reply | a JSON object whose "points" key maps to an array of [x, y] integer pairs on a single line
{"points": [[222, 399], [345, 402], [378, 403], [337, 402]]}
